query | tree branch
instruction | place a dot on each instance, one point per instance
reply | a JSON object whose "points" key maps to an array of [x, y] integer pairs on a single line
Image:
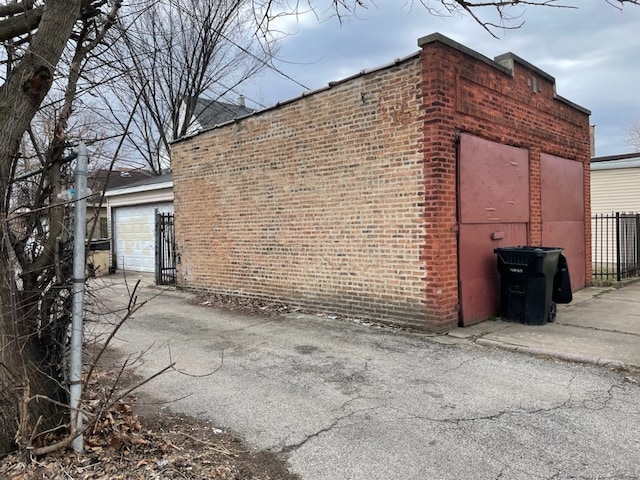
{"points": [[15, 8], [20, 24]]}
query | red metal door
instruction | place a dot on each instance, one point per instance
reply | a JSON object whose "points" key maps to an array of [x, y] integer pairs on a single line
{"points": [[493, 209], [562, 182]]}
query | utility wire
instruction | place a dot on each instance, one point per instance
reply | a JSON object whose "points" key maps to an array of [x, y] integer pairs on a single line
{"points": [[263, 62]]}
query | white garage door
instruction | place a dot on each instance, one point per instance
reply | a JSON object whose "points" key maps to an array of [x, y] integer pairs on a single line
{"points": [[134, 236]]}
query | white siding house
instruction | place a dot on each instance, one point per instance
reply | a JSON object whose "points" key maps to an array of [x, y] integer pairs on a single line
{"points": [[131, 218], [615, 237], [615, 184]]}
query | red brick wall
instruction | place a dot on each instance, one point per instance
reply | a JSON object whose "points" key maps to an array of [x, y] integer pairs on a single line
{"points": [[464, 92], [345, 200], [318, 202]]}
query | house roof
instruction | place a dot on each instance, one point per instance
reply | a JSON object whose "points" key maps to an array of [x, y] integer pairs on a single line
{"points": [[613, 162], [212, 112], [114, 178], [148, 184]]}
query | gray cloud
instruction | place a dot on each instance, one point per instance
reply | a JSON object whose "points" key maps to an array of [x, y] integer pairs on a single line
{"points": [[592, 52]]}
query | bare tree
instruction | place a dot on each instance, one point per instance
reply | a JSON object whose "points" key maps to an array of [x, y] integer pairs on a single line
{"points": [[24, 88], [174, 53], [179, 51], [491, 15], [36, 257], [632, 137]]}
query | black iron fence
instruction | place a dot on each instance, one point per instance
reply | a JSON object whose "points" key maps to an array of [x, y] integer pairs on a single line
{"points": [[615, 245], [165, 249]]}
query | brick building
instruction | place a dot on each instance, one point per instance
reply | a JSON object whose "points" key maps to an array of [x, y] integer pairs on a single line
{"points": [[384, 194]]}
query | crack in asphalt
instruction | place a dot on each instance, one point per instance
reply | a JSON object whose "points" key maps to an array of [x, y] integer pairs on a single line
{"points": [[565, 404], [461, 364], [295, 446], [569, 402], [597, 329], [334, 423], [601, 477], [578, 406], [603, 401]]}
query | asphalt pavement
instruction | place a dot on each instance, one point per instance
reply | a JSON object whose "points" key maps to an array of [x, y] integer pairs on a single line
{"points": [[346, 400]]}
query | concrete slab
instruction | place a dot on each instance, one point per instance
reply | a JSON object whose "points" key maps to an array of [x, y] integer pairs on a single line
{"points": [[601, 326], [479, 329], [569, 343], [610, 314], [587, 294]]}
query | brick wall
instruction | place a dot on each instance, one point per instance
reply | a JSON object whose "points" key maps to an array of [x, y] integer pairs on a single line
{"points": [[345, 199], [318, 202], [465, 92]]}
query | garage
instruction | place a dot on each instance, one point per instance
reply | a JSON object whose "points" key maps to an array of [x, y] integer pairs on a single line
{"points": [[132, 212], [134, 235], [391, 204]]}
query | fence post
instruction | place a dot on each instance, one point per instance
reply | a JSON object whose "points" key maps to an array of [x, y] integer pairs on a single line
{"points": [[636, 254], [618, 266], [158, 246], [597, 248]]}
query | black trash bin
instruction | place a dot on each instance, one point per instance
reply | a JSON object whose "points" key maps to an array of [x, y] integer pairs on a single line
{"points": [[527, 283], [562, 282]]}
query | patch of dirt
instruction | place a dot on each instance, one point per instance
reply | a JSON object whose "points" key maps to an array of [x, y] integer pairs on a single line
{"points": [[257, 306], [243, 304], [138, 441]]}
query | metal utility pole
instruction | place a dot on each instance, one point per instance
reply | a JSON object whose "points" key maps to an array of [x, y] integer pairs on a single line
{"points": [[75, 367]]}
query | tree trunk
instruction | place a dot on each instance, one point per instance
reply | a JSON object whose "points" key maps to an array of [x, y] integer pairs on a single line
{"points": [[9, 358], [23, 374], [30, 387]]}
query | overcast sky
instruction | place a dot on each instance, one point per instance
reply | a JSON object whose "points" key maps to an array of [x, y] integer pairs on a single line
{"points": [[593, 53]]}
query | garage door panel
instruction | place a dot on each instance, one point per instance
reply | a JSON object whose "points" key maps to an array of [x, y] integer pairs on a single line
{"points": [[563, 188], [479, 277], [493, 182], [563, 217], [493, 202], [134, 233], [569, 236]]}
